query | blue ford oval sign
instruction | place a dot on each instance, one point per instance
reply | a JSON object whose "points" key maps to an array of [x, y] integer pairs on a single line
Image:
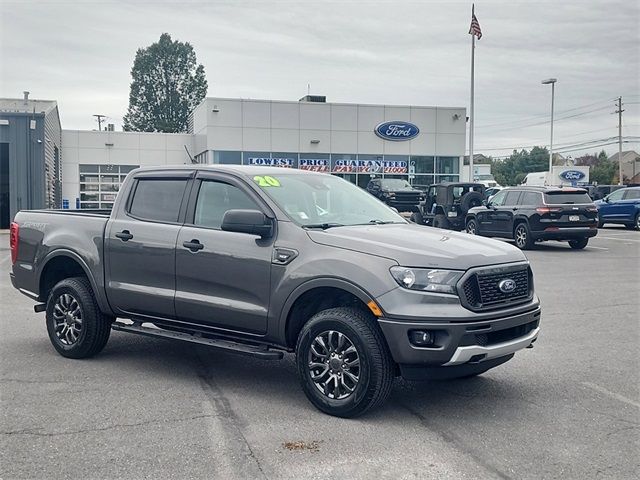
{"points": [[507, 285], [572, 175], [397, 131]]}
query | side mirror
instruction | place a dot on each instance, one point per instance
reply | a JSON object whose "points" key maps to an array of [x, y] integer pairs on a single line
{"points": [[253, 222], [606, 199], [485, 203]]}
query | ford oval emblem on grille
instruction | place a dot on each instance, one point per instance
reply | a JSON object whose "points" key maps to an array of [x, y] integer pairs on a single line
{"points": [[507, 285]]}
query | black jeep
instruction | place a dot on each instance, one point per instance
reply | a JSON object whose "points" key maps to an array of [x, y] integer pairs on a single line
{"points": [[396, 192], [447, 204]]}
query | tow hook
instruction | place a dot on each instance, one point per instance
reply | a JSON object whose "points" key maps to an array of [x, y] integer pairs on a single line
{"points": [[530, 345]]}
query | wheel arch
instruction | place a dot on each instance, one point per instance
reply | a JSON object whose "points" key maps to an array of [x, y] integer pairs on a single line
{"points": [[314, 296], [62, 263]]}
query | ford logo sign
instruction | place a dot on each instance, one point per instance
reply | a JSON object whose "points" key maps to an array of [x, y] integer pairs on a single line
{"points": [[507, 285], [572, 175], [397, 131]]}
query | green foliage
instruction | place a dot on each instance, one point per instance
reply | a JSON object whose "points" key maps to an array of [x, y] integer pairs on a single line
{"points": [[603, 171], [167, 85], [512, 170]]}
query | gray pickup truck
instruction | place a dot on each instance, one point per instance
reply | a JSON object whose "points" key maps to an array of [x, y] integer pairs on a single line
{"points": [[264, 261]]}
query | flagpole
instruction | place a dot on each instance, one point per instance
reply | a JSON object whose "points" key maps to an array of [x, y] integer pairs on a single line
{"points": [[473, 50]]}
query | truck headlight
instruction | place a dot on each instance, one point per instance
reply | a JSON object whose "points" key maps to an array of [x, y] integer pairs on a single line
{"points": [[427, 280]]}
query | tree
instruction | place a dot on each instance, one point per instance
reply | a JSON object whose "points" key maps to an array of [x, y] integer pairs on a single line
{"points": [[601, 170], [512, 170], [167, 85]]}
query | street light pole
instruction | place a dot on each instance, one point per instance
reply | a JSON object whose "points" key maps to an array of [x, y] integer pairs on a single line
{"points": [[551, 81]]}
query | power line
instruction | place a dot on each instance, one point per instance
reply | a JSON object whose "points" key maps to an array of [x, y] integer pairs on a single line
{"points": [[516, 127], [543, 115]]}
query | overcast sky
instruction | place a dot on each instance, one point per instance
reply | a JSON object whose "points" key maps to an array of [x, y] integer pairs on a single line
{"points": [[80, 53]]}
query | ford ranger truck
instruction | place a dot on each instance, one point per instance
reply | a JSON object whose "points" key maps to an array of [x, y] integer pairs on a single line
{"points": [[264, 261]]}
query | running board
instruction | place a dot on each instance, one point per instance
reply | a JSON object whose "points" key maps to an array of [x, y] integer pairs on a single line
{"points": [[258, 351]]}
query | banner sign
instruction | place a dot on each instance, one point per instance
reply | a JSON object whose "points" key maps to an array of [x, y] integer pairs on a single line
{"points": [[369, 166], [271, 162], [314, 164]]}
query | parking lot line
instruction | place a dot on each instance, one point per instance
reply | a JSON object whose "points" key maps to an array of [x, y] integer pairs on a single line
{"points": [[591, 247], [4, 260], [617, 396], [632, 240]]}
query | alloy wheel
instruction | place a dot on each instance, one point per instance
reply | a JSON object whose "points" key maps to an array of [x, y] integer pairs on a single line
{"points": [[67, 318], [334, 364], [471, 228], [521, 237]]}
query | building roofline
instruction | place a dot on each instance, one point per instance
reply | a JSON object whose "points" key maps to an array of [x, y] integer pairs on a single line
{"points": [[263, 100]]}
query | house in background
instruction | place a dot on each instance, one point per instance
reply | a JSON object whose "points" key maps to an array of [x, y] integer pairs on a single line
{"points": [[630, 165]]}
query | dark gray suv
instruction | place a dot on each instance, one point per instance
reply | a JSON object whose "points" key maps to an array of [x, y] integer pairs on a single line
{"points": [[265, 261]]}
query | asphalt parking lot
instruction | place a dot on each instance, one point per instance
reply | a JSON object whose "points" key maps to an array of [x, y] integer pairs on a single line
{"points": [[148, 408]]}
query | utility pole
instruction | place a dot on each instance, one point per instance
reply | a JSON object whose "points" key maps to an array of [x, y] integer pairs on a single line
{"points": [[100, 117], [619, 112]]}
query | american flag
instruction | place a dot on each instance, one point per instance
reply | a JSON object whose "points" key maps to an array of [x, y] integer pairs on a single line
{"points": [[474, 29]]}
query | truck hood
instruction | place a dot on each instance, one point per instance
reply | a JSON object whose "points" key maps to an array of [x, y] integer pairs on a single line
{"points": [[419, 246]]}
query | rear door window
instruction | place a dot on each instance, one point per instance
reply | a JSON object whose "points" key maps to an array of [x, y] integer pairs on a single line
{"points": [[530, 199], [561, 198], [158, 199], [632, 194]]}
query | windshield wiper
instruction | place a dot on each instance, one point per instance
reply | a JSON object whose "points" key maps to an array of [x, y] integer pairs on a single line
{"points": [[375, 221], [323, 226]]}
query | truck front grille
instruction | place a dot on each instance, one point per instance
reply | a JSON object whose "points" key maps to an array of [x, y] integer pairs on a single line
{"points": [[481, 290]]}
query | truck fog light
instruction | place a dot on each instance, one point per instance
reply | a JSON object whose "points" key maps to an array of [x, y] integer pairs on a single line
{"points": [[421, 338]]}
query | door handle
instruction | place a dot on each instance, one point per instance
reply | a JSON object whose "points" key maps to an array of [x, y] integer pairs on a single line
{"points": [[124, 235], [515, 208], [194, 245]]}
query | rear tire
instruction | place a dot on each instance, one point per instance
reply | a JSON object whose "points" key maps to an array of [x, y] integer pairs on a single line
{"points": [[416, 217], [522, 237], [636, 223], [472, 227], [343, 344], [440, 221], [578, 244], [76, 326]]}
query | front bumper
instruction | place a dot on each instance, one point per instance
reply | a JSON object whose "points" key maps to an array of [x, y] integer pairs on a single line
{"points": [[458, 343]]}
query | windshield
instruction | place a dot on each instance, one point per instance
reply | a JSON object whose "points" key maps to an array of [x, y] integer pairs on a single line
{"points": [[395, 183], [324, 201]]}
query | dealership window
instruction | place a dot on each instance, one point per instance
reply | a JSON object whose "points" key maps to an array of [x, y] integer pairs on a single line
{"points": [[341, 169], [315, 162], [99, 184], [423, 164], [447, 178], [286, 158], [249, 158], [227, 158], [420, 181], [447, 165]]}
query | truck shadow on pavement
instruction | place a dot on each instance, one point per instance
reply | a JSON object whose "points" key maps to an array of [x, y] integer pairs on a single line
{"points": [[276, 382]]}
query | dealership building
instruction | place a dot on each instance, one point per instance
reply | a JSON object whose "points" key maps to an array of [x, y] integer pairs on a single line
{"points": [[355, 141]]}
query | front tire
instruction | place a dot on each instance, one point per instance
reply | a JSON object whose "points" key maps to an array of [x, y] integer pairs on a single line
{"points": [[578, 244], [416, 217], [76, 326], [343, 362], [522, 237]]}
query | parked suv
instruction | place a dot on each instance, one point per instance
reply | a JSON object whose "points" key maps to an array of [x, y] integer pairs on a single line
{"points": [[396, 193], [262, 261], [532, 214], [622, 207], [446, 204]]}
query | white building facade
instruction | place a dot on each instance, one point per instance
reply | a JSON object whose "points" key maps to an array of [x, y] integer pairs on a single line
{"points": [[424, 145]]}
